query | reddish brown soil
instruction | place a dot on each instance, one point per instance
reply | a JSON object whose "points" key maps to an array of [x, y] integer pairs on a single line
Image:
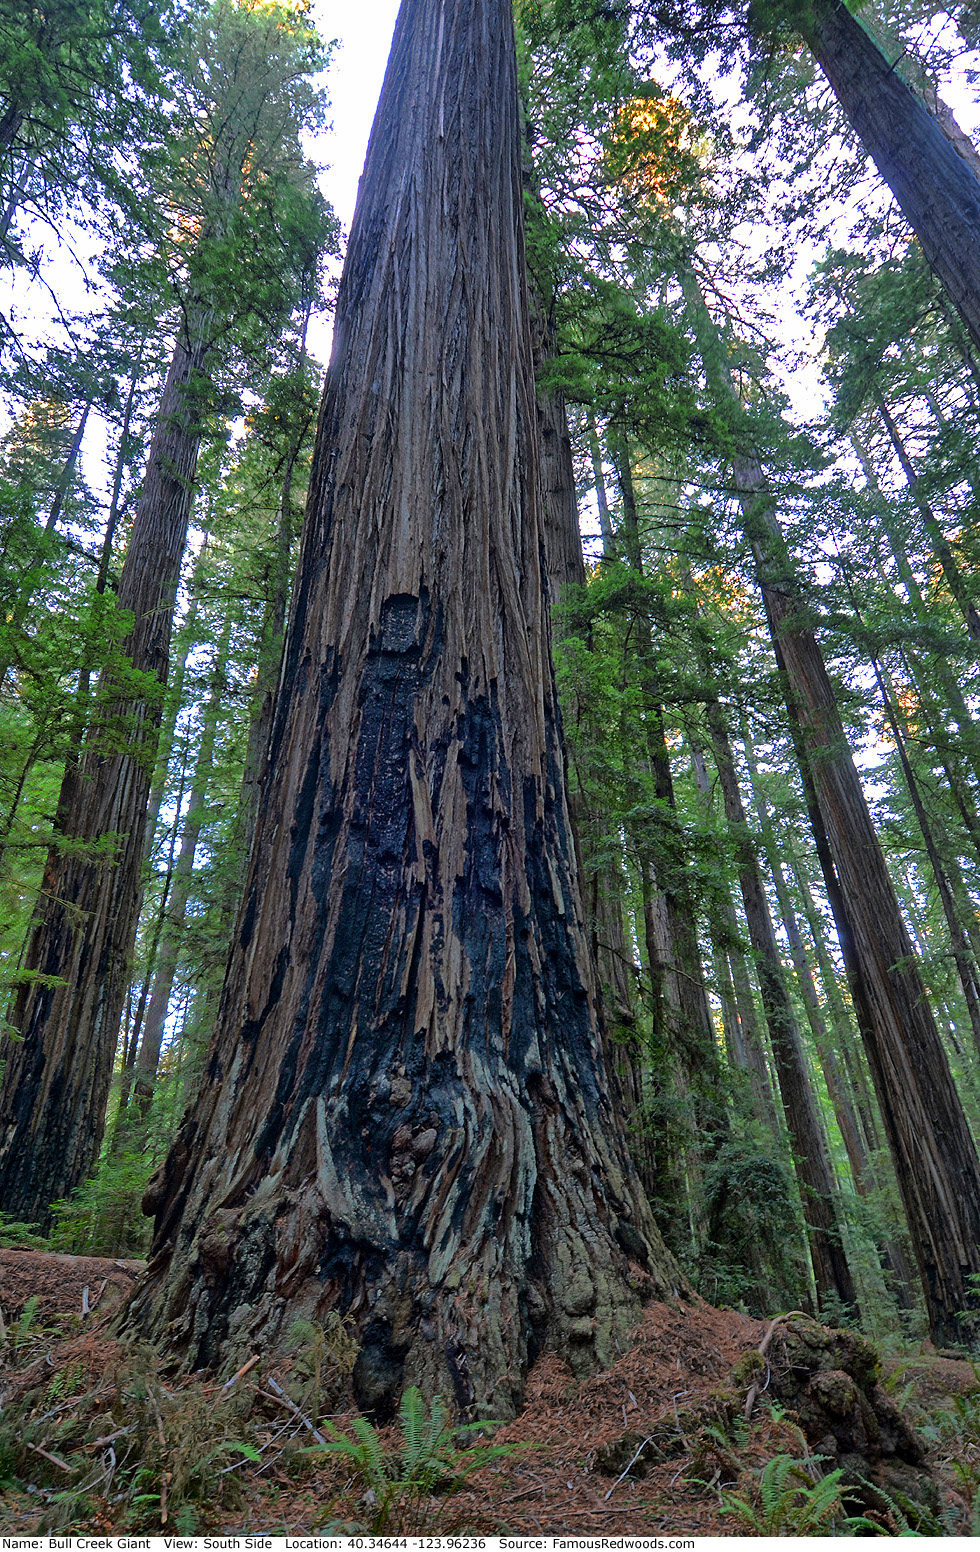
{"points": [[60, 1282], [680, 1357], [554, 1484]]}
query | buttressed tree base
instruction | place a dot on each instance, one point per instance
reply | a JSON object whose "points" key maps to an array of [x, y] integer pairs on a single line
{"points": [[405, 1115]]}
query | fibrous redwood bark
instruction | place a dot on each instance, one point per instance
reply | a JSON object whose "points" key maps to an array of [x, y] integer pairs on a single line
{"points": [[936, 186], [405, 1113], [67, 1010]]}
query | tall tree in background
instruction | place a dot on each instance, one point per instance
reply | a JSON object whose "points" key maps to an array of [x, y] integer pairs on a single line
{"points": [[405, 1113], [240, 192], [932, 1149], [76, 77], [934, 182]]}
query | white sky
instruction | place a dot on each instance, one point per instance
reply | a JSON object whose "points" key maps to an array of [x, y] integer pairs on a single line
{"points": [[354, 82], [364, 32]]}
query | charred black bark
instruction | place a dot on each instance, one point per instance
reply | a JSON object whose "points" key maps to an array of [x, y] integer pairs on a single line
{"points": [[405, 1114]]}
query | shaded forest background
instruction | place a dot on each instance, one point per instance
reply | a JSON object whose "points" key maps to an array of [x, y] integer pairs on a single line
{"points": [[689, 177]]}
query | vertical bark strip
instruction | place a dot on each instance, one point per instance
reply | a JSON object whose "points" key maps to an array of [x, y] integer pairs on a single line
{"points": [[405, 1113]]}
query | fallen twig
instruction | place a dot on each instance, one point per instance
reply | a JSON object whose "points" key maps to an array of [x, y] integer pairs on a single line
{"points": [[632, 1463], [286, 1402], [754, 1389], [61, 1465], [111, 1438], [237, 1376]]}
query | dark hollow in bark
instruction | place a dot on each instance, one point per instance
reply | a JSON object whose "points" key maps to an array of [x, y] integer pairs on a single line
{"points": [[405, 1114]]}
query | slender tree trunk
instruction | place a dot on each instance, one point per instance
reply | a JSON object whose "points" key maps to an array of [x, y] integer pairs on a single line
{"points": [[75, 976], [601, 495], [406, 1114], [840, 1015], [935, 1158], [603, 886], [665, 867], [151, 1044], [965, 965], [844, 1110], [747, 1038], [952, 695], [734, 1038], [173, 701], [680, 998], [937, 538], [963, 959], [810, 1156], [934, 1155], [135, 1016], [935, 186], [846, 1081], [273, 630]]}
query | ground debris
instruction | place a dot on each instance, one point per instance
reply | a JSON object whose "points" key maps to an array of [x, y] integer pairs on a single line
{"points": [[646, 1448]]}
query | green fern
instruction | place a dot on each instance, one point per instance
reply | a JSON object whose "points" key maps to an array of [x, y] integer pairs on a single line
{"points": [[15, 1235], [423, 1432], [791, 1498], [431, 1458], [363, 1453], [26, 1321]]}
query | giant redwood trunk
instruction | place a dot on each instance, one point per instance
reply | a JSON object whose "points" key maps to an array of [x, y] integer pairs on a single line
{"points": [[67, 1009], [405, 1113], [935, 185]]}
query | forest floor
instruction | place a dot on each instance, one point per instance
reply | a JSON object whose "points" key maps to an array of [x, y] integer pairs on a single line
{"points": [[96, 1436]]}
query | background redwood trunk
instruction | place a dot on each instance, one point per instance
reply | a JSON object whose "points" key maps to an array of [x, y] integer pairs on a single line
{"points": [[810, 1156], [167, 955], [935, 184], [935, 1158], [933, 1152], [405, 1113], [67, 1011]]}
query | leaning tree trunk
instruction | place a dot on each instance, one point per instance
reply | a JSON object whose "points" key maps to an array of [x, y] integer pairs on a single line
{"points": [[940, 544], [935, 185], [67, 1010], [405, 1114]]}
